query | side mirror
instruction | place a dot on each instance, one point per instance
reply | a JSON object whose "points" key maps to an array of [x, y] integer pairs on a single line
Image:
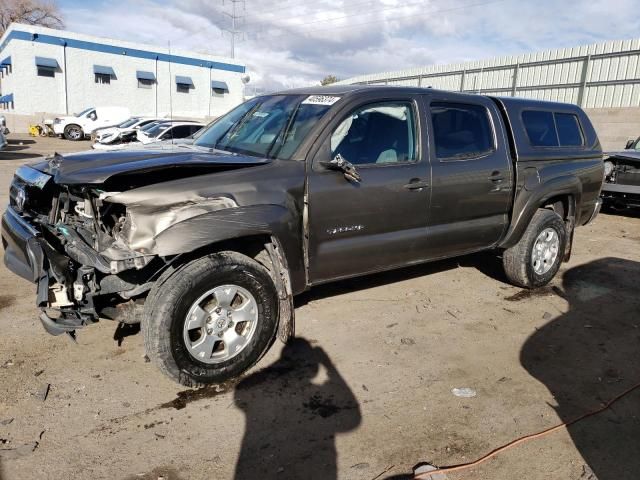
{"points": [[629, 144], [339, 163]]}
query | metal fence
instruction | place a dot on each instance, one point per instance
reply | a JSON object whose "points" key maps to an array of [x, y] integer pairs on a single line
{"points": [[602, 75]]}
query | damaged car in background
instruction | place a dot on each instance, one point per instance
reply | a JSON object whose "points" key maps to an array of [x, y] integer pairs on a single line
{"points": [[123, 132], [621, 188], [154, 133], [205, 244]]}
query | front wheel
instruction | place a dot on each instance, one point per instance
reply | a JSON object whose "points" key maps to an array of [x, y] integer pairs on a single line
{"points": [[536, 258], [212, 319], [73, 132]]}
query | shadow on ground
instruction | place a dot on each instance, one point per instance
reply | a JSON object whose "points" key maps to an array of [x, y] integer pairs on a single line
{"points": [[590, 355], [622, 212], [489, 263], [294, 409], [14, 153]]}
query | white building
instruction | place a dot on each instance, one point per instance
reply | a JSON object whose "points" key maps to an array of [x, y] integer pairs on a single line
{"points": [[46, 72], [603, 78]]}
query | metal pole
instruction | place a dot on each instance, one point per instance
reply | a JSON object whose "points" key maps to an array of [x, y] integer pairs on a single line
{"points": [[583, 81], [514, 88], [233, 29], [66, 90], [464, 72]]}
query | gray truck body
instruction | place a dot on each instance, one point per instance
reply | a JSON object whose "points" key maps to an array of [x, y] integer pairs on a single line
{"points": [[94, 231]]}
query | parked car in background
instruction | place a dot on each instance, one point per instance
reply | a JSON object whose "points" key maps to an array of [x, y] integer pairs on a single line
{"points": [[123, 132], [3, 132], [83, 124], [162, 131], [621, 188], [168, 130], [206, 244], [3, 125], [633, 144]]}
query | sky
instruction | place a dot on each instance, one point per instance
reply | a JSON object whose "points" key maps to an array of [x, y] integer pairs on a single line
{"points": [[291, 43]]}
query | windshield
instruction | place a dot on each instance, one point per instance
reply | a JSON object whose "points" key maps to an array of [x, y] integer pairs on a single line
{"points": [[150, 126], [271, 126], [128, 123], [83, 112], [157, 129]]}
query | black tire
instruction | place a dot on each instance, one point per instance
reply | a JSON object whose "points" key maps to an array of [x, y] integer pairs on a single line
{"points": [[517, 262], [73, 132], [171, 297]]}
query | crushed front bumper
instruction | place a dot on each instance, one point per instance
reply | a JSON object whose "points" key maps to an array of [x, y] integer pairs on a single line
{"points": [[620, 194], [24, 255]]}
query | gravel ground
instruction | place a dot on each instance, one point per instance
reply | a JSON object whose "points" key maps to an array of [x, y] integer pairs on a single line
{"points": [[365, 391]]}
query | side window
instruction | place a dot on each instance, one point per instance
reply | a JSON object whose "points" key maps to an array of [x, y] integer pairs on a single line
{"points": [[46, 72], [180, 131], [569, 131], [541, 128], [103, 78], [377, 134], [93, 116], [461, 131]]}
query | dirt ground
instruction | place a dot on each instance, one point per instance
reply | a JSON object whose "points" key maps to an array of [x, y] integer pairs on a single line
{"points": [[365, 391]]}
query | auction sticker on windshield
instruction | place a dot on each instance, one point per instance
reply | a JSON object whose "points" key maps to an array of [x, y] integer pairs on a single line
{"points": [[321, 100]]}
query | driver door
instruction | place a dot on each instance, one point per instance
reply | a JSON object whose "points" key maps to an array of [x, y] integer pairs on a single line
{"points": [[379, 222]]}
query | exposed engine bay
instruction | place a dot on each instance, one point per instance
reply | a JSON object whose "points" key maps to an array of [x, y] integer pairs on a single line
{"points": [[621, 187], [99, 252]]}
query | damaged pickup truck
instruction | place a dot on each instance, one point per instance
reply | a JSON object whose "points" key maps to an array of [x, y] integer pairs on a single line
{"points": [[206, 244], [621, 187]]}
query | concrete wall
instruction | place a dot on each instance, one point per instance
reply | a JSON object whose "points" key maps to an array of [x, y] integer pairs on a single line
{"points": [[615, 126], [74, 88]]}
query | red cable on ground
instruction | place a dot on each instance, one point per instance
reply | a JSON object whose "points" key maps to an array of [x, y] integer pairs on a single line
{"points": [[493, 453]]}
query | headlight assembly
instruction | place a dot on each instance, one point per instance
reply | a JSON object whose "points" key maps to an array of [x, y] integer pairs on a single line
{"points": [[608, 169]]}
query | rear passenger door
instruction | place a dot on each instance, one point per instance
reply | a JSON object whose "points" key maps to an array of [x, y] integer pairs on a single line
{"points": [[472, 174]]}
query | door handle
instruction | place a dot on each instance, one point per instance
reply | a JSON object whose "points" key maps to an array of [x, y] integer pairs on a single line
{"points": [[416, 184], [496, 177]]}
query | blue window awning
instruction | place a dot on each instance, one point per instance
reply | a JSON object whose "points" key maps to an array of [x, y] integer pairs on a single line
{"points": [[46, 62], [7, 98], [145, 75], [219, 85], [104, 70], [184, 80], [6, 62]]}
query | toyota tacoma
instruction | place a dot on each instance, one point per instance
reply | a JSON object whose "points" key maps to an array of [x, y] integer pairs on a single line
{"points": [[206, 244]]}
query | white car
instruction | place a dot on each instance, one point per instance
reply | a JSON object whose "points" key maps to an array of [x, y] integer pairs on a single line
{"points": [[79, 126], [155, 133], [168, 131], [122, 132]]}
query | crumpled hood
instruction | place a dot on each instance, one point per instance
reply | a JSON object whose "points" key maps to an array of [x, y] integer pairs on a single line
{"points": [[632, 155], [96, 167]]}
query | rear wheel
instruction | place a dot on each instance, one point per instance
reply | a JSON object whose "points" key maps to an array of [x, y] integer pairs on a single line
{"points": [[212, 319], [73, 132], [536, 258]]}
